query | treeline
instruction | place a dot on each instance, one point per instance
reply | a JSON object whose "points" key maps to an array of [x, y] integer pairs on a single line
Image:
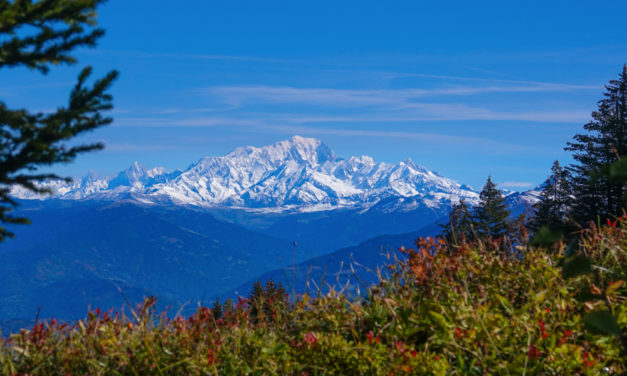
{"points": [[489, 219], [264, 303], [593, 188]]}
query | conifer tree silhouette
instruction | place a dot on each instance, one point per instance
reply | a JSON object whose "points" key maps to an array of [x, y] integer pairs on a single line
{"points": [[37, 35]]}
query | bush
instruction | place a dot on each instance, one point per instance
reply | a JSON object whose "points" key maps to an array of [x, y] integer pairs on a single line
{"points": [[472, 310]]}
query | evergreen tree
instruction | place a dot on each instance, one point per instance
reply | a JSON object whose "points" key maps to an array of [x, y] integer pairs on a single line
{"points": [[36, 35], [270, 297], [552, 209], [491, 215], [218, 313], [602, 145], [276, 300], [460, 226], [266, 303], [256, 300], [282, 292]]}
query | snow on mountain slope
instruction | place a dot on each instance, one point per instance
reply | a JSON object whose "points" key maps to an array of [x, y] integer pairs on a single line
{"points": [[299, 173], [522, 202]]}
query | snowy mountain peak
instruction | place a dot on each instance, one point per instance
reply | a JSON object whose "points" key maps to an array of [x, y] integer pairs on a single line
{"points": [[136, 177], [303, 143], [298, 149], [299, 173], [138, 171], [91, 176]]}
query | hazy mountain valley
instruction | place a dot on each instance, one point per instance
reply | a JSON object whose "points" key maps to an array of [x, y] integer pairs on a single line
{"points": [[190, 236]]}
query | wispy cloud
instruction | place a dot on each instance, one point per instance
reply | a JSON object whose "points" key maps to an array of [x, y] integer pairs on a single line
{"points": [[282, 127], [417, 113], [150, 55], [447, 112], [426, 137], [420, 137], [389, 74], [182, 122], [517, 184], [182, 110], [239, 95], [400, 105], [132, 147]]}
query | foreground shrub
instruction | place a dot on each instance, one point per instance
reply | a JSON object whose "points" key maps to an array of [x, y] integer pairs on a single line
{"points": [[470, 310]]}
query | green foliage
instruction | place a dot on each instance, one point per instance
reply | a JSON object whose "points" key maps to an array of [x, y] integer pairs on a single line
{"points": [[576, 265], [603, 145], [602, 258], [460, 226], [267, 304], [545, 237], [217, 310], [617, 171], [594, 187], [489, 219], [552, 209], [491, 214], [601, 322], [470, 311], [36, 35]]}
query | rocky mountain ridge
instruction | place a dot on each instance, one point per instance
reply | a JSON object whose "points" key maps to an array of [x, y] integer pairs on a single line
{"points": [[299, 174]]}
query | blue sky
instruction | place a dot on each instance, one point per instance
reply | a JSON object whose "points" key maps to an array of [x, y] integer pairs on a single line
{"points": [[464, 88]]}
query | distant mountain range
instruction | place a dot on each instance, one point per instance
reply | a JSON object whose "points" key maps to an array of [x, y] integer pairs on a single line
{"points": [[81, 254], [299, 174], [207, 231]]}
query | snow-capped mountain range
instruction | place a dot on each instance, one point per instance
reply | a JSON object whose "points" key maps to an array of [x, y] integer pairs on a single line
{"points": [[300, 174]]}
